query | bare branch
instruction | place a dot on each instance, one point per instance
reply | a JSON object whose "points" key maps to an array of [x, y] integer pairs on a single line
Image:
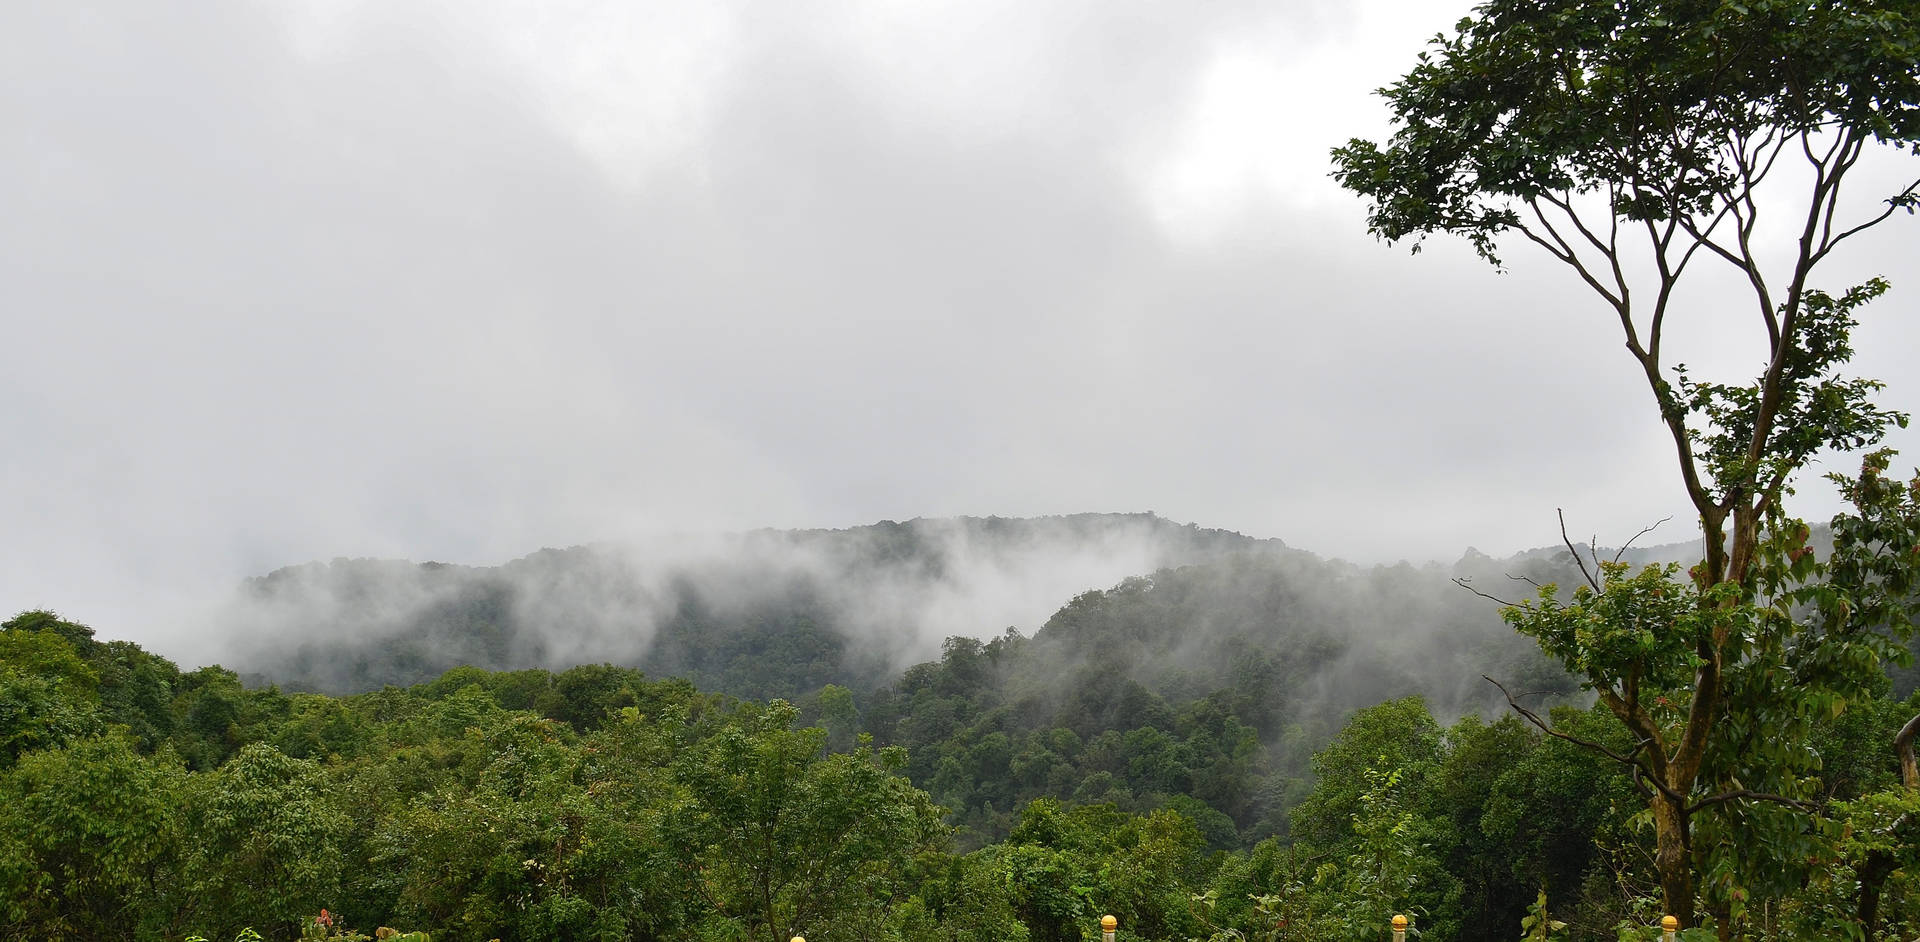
{"points": [[1748, 264], [1565, 205], [1563, 250], [1893, 203], [1545, 727], [1643, 532], [1847, 158], [1609, 249], [1468, 585], [1576, 553], [1702, 239], [1779, 145]]}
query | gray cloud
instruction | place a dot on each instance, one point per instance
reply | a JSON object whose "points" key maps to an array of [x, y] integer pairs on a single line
{"points": [[457, 280]]}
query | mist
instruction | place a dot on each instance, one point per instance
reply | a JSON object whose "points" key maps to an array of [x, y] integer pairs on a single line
{"points": [[451, 281], [884, 596]]}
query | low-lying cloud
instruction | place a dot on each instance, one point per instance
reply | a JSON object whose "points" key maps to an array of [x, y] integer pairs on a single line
{"points": [[892, 591]]}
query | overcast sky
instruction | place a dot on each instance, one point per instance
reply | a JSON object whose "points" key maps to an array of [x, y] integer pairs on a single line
{"points": [[457, 279]]}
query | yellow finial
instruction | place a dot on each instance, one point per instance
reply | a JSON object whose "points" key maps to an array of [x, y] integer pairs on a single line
{"points": [[796, 939], [1108, 923], [1399, 922], [1669, 923]]}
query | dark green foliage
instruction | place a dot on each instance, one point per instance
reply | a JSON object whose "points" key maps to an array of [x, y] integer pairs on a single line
{"points": [[1636, 141], [1211, 683], [475, 808]]}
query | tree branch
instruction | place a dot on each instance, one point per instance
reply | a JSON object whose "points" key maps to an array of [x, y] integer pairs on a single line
{"points": [[1563, 250], [1576, 553], [1468, 585], [1545, 727], [1649, 528], [1903, 745], [1746, 793], [1893, 203]]}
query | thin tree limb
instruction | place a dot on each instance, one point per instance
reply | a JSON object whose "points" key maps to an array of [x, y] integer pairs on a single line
{"points": [[1643, 532], [1545, 727], [1894, 202], [1576, 553], [1467, 585], [1748, 793]]}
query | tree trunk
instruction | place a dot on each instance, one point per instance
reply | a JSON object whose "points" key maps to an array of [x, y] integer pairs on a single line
{"points": [[1881, 864], [1873, 875], [1673, 857], [1903, 747]]}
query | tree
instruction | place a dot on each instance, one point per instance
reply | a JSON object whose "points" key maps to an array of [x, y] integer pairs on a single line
{"points": [[89, 837], [48, 695], [779, 839], [1398, 735], [265, 847], [1636, 142]]}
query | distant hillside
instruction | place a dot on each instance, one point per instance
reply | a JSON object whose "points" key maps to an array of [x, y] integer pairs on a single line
{"points": [[1092, 658], [760, 614]]}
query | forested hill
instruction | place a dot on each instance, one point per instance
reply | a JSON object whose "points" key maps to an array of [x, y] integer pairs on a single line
{"points": [[1207, 687], [1203, 751], [1174, 609], [767, 613]]}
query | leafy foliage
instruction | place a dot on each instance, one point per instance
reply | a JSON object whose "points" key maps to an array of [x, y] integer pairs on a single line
{"points": [[1629, 140]]}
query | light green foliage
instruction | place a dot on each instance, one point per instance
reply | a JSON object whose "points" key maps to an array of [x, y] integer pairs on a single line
{"points": [[267, 847], [1069, 866], [962, 899], [1635, 142], [48, 694], [1872, 842], [1807, 638], [780, 839], [680, 815], [1398, 736], [1388, 859], [515, 844], [92, 834], [1538, 925], [38, 713]]}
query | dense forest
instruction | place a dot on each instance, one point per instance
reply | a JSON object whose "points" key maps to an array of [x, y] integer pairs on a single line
{"points": [[991, 729], [769, 613], [1259, 744]]}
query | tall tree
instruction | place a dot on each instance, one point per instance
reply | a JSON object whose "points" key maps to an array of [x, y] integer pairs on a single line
{"points": [[779, 838], [1637, 142]]}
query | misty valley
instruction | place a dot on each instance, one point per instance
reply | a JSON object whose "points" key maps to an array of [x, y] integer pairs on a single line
{"points": [[408, 288], [798, 732]]}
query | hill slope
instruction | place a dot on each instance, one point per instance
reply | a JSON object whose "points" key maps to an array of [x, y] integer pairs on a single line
{"points": [[760, 614]]}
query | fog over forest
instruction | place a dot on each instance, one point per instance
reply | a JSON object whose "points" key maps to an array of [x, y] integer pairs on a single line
{"points": [[455, 281], [778, 613], [726, 470]]}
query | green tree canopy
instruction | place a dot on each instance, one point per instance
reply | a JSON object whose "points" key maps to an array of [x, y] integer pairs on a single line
{"points": [[1636, 141]]}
